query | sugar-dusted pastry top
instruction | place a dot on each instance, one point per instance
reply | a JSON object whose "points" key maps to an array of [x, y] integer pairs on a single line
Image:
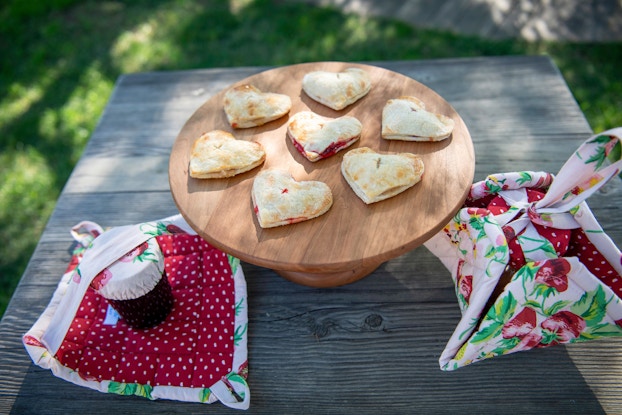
{"points": [[278, 199], [337, 90], [317, 137], [246, 106], [374, 176], [406, 118], [218, 154]]}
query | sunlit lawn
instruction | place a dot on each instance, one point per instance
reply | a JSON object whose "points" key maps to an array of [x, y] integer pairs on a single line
{"points": [[59, 60]]}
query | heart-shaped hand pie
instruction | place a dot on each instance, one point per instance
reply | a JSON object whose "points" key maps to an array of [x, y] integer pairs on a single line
{"points": [[246, 106], [375, 177], [218, 154], [278, 199], [317, 137], [406, 119], [337, 90]]}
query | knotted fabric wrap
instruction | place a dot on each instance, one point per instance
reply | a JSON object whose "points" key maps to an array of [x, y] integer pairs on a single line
{"points": [[197, 354], [531, 265]]}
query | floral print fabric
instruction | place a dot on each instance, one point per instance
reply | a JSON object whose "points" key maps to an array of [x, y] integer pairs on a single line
{"points": [[531, 265]]}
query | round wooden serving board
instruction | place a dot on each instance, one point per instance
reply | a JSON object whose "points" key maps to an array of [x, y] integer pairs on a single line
{"points": [[352, 238]]}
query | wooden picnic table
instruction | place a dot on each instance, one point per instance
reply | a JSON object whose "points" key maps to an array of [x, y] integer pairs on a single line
{"points": [[364, 348]]}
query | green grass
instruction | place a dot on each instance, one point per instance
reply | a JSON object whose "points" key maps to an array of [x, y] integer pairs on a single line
{"points": [[59, 60]]}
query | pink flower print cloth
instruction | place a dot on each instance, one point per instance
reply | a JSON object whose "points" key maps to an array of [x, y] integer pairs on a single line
{"points": [[564, 273], [198, 353]]}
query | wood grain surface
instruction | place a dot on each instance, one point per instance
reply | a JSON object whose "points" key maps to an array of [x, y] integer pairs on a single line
{"points": [[352, 238], [364, 348]]}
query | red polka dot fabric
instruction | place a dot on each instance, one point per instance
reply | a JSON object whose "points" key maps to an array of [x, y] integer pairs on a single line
{"points": [[193, 347], [581, 247], [566, 242]]}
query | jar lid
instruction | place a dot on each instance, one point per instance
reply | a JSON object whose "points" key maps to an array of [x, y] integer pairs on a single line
{"points": [[133, 275]]}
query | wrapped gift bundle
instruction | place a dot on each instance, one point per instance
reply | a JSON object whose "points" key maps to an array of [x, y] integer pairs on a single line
{"points": [[531, 265], [151, 310]]}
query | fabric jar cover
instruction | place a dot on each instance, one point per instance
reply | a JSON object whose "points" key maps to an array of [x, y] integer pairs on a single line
{"points": [[136, 287], [531, 265], [197, 354]]}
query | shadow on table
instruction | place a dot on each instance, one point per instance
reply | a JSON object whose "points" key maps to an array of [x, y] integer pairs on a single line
{"points": [[324, 376], [363, 348]]}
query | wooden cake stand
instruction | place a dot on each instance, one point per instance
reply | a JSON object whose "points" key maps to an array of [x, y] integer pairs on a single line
{"points": [[352, 238]]}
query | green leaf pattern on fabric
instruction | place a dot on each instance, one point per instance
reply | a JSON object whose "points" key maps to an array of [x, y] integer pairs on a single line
{"points": [[204, 395], [606, 145], [239, 334], [234, 263], [541, 245], [239, 306], [494, 185], [154, 228], [469, 329], [236, 378], [592, 306], [493, 322], [130, 389], [524, 177]]}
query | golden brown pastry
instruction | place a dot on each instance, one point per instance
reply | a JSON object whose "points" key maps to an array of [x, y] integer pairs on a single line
{"points": [[337, 90], [278, 199], [218, 154], [375, 177], [317, 137], [246, 106], [406, 119]]}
